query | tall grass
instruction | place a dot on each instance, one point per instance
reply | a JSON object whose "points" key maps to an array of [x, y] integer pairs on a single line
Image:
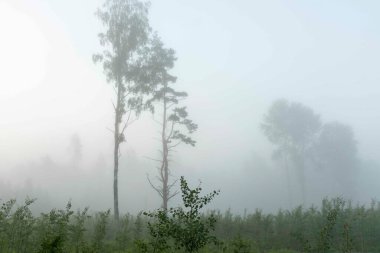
{"points": [[336, 226]]}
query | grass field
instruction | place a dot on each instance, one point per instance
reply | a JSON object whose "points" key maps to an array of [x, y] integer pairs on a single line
{"points": [[336, 226]]}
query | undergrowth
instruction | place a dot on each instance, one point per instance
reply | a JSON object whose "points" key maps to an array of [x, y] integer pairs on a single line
{"points": [[337, 226]]}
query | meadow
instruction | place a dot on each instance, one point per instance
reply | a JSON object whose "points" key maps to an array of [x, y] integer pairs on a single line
{"points": [[336, 226]]}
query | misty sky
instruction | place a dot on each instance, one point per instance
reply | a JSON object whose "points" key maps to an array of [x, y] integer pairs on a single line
{"points": [[234, 59]]}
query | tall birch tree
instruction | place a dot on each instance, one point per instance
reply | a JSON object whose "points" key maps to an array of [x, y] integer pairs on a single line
{"points": [[125, 41]]}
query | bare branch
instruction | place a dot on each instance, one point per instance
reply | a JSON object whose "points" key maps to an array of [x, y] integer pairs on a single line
{"points": [[171, 132], [175, 145], [172, 195], [126, 95], [129, 116], [172, 184], [156, 160], [126, 123], [154, 187], [158, 178], [169, 106]]}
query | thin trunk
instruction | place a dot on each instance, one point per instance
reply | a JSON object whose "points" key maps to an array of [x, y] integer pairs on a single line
{"points": [[302, 175], [118, 116], [165, 167], [290, 196], [303, 187], [301, 178]]}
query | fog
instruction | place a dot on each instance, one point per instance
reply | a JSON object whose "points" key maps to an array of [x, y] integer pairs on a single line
{"points": [[235, 58]]}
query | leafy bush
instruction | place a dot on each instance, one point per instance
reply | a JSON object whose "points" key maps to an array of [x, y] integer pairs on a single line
{"points": [[336, 226], [100, 231], [53, 230], [183, 228]]}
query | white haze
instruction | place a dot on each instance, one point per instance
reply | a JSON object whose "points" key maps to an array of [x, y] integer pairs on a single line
{"points": [[234, 59]]}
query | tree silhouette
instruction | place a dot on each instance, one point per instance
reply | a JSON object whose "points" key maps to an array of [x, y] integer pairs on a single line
{"points": [[175, 125], [292, 127], [126, 50], [336, 152]]}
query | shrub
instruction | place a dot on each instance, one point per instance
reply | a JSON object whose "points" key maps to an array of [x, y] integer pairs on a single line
{"points": [[183, 228]]}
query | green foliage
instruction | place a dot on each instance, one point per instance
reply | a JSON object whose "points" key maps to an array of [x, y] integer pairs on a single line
{"points": [[77, 230], [336, 153], [124, 234], [336, 226], [133, 56], [5, 227], [282, 251], [128, 62], [176, 127], [290, 124], [183, 228], [16, 228], [138, 228], [292, 127], [124, 41], [100, 231], [191, 231], [54, 228], [240, 245], [179, 117], [347, 246], [324, 243]]}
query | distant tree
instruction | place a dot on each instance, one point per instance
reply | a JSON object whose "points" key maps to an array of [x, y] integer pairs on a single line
{"points": [[75, 149], [175, 125], [126, 50], [336, 151], [292, 127]]}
